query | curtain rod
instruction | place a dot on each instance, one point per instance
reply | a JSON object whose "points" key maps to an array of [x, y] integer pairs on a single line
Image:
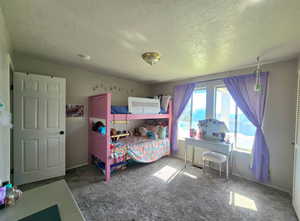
{"points": [[219, 78]]}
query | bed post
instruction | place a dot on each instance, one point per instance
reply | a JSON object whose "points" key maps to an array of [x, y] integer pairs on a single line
{"points": [[108, 121]]}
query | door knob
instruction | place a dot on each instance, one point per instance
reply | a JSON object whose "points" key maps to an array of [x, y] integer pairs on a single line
{"points": [[61, 132]]}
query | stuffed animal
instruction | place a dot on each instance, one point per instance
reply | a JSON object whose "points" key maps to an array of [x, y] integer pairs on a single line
{"points": [[113, 132], [143, 131], [136, 132], [151, 135]]}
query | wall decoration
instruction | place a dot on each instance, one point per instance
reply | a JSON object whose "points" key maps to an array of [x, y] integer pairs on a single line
{"points": [[74, 110], [95, 88]]}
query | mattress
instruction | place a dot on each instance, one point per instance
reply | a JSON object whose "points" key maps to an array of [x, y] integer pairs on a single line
{"points": [[140, 149], [124, 110]]}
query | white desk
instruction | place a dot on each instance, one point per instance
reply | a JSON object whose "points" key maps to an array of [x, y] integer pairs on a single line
{"points": [[40, 198], [220, 147]]}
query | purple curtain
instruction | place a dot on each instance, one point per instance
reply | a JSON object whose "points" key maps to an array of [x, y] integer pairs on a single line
{"points": [[252, 103], [182, 95]]}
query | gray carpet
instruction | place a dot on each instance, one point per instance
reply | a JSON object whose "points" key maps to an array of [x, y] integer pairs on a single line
{"points": [[162, 191]]}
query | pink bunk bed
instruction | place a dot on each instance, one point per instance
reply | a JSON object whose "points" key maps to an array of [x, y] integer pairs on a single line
{"points": [[100, 145]]}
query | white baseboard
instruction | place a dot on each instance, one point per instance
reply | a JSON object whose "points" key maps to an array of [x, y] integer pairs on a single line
{"points": [[265, 184], [76, 166], [246, 178]]}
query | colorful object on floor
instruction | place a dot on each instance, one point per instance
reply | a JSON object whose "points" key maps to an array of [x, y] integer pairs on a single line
{"points": [[2, 196], [12, 195]]}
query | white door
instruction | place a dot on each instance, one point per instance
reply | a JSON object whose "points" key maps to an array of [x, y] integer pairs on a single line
{"points": [[39, 127], [296, 181]]}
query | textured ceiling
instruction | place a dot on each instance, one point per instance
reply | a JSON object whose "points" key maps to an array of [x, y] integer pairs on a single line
{"points": [[194, 37]]}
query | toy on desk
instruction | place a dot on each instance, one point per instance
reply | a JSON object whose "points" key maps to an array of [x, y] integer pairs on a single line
{"points": [[193, 132], [200, 134], [213, 129]]}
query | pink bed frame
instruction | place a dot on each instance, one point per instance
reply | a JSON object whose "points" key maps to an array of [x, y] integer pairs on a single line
{"points": [[99, 145]]}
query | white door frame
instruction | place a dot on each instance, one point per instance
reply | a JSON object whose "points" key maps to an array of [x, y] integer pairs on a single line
{"points": [[296, 172]]}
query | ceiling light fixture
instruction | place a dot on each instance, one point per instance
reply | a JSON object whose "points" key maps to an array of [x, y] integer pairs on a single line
{"points": [[151, 57], [84, 57]]}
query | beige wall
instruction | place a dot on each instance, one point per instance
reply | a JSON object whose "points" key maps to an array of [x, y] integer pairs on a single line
{"points": [[278, 123], [80, 84], [4, 95]]}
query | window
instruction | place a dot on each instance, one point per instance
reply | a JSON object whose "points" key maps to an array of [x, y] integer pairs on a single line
{"points": [[184, 123], [214, 101], [194, 111], [225, 110], [199, 106], [241, 130]]}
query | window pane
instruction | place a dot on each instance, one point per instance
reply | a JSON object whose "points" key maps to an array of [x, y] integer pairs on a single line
{"points": [[245, 132], [199, 106], [184, 122], [225, 111]]}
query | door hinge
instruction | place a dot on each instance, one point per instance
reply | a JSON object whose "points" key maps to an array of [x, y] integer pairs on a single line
{"points": [[12, 171], [12, 87]]}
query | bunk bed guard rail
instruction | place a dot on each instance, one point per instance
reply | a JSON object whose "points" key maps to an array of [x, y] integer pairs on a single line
{"points": [[137, 105]]}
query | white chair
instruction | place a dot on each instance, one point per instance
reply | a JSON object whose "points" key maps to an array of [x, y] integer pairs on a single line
{"points": [[218, 158]]}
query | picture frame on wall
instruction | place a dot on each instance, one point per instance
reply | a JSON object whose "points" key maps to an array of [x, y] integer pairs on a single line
{"points": [[75, 110]]}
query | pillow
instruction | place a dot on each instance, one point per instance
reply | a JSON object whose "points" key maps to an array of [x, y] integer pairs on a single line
{"points": [[151, 135], [162, 132], [153, 128]]}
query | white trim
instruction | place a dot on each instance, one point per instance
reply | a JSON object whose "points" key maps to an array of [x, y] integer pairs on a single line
{"points": [[180, 157], [265, 184], [76, 166], [10, 62]]}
